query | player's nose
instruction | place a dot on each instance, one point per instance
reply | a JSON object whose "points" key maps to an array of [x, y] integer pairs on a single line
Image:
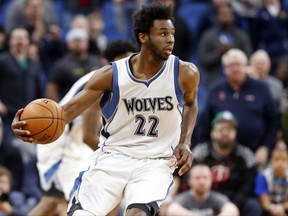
{"points": [[171, 39]]}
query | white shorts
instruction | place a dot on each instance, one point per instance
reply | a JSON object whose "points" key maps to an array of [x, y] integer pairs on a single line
{"points": [[112, 177], [60, 162]]}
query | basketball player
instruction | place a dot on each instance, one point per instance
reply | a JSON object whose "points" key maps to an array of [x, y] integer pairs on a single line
{"points": [[149, 107], [59, 169]]}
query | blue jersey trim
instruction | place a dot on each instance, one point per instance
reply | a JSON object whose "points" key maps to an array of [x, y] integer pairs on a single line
{"points": [[110, 100], [145, 82], [178, 90], [105, 129], [167, 193]]}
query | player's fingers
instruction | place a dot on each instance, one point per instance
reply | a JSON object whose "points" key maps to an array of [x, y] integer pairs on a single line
{"points": [[18, 114], [186, 165], [17, 124], [26, 139], [21, 133], [181, 159], [177, 154]]}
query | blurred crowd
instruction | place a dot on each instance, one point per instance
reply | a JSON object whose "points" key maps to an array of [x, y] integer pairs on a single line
{"points": [[241, 50]]}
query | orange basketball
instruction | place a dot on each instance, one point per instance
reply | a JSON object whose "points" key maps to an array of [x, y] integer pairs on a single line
{"points": [[45, 120]]}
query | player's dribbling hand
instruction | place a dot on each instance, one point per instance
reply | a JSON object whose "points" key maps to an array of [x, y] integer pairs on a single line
{"points": [[184, 157], [17, 128]]}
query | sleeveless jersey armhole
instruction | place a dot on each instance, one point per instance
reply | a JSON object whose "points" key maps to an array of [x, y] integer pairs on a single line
{"points": [[110, 100], [178, 90]]}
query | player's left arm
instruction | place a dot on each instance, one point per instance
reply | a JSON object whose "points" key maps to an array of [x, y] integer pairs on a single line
{"points": [[188, 80]]}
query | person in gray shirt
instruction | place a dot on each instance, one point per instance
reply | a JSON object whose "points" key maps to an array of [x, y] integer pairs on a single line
{"points": [[200, 200]]}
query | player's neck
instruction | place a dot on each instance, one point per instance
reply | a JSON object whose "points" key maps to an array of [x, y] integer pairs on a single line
{"points": [[145, 66]]}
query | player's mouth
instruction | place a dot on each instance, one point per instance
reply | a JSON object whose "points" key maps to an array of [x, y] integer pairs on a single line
{"points": [[168, 51]]}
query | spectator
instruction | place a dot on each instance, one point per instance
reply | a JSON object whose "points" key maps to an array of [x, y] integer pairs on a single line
{"points": [[271, 184], [260, 66], [249, 100], [209, 18], [117, 16], [98, 40], [47, 36], [225, 36], [12, 202], [273, 39], [16, 14], [94, 26], [19, 79], [200, 200], [73, 65], [80, 21], [233, 165], [245, 13]]}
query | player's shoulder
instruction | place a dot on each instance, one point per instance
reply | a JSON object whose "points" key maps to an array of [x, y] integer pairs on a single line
{"points": [[104, 70], [187, 65], [101, 79], [188, 71]]}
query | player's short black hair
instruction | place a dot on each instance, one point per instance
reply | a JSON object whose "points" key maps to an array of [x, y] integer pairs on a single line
{"points": [[144, 18], [117, 48]]}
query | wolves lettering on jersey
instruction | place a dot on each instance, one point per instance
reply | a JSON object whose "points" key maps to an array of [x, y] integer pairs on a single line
{"points": [[148, 104], [145, 114]]}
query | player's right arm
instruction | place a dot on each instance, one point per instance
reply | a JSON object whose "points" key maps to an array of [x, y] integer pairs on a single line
{"points": [[100, 82]]}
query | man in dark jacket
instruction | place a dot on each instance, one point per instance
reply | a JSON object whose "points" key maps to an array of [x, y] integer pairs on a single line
{"points": [[20, 79], [249, 100]]}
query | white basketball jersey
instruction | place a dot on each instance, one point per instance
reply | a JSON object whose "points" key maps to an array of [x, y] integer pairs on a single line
{"points": [[142, 118]]}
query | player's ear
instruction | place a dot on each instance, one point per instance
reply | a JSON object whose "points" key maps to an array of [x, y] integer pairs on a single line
{"points": [[143, 38]]}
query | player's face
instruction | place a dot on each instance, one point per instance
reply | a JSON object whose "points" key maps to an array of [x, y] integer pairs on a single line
{"points": [[224, 134], [161, 39]]}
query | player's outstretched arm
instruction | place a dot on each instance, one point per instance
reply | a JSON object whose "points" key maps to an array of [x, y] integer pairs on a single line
{"points": [[189, 80], [100, 82]]}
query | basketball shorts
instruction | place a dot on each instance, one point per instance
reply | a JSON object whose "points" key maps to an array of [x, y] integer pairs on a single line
{"points": [[112, 177]]}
